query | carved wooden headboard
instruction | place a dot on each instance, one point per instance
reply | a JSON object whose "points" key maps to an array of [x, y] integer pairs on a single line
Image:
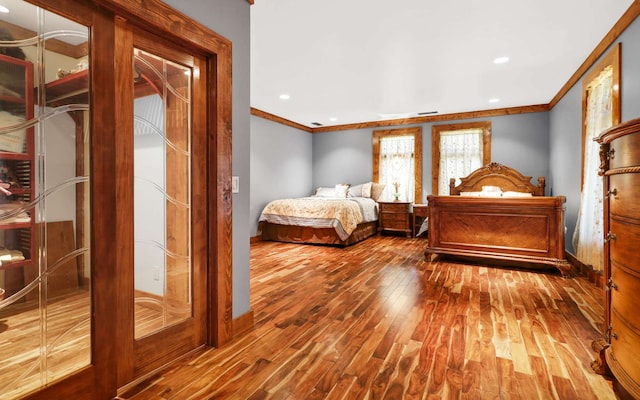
{"points": [[495, 174]]}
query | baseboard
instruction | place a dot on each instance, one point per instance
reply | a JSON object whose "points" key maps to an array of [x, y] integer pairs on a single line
{"points": [[85, 282], [242, 324], [596, 277], [255, 239]]}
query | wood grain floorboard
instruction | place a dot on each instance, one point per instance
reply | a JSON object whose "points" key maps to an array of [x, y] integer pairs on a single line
{"points": [[377, 321]]}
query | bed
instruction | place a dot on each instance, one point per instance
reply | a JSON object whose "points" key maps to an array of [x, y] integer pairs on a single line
{"points": [[325, 218], [497, 214]]}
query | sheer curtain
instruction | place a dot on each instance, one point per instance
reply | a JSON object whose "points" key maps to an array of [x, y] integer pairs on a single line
{"points": [[589, 235], [460, 154], [397, 167]]}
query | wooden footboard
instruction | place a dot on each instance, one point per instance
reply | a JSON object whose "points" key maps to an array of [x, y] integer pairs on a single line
{"points": [[304, 234], [517, 230]]}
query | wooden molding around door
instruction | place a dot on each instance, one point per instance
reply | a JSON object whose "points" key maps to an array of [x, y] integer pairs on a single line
{"points": [[161, 19]]}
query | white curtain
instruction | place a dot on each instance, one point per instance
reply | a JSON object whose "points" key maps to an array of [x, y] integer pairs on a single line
{"points": [[397, 167], [460, 154], [589, 234]]}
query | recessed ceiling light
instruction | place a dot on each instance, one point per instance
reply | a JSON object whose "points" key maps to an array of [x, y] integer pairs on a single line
{"points": [[285, 96], [494, 100], [4, 9], [501, 60], [333, 119]]}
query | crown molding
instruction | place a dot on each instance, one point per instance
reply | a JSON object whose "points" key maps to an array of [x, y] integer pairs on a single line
{"points": [[404, 121], [280, 120], [623, 23]]}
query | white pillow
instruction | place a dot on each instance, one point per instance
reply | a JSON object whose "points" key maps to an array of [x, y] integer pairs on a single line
{"points": [[341, 190], [491, 189], [516, 194], [355, 191], [326, 192], [366, 189]]}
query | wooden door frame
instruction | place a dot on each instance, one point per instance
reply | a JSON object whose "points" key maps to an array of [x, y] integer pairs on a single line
{"points": [[99, 380], [166, 22]]}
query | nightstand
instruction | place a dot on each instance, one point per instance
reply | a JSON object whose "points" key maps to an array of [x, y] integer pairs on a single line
{"points": [[420, 213], [395, 216]]}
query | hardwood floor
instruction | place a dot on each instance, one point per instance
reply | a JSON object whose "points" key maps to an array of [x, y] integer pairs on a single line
{"points": [[376, 321], [66, 336]]}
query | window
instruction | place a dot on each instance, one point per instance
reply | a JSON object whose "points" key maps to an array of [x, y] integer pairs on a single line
{"points": [[458, 150], [397, 163], [600, 110]]}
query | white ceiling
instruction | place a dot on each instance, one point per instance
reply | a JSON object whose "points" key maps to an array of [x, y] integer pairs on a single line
{"points": [[368, 60]]}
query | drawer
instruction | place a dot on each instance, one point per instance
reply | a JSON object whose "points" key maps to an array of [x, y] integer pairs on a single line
{"points": [[624, 248], [626, 151], [388, 218], [398, 225], [624, 346], [395, 207], [625, 201], [624, 298]]}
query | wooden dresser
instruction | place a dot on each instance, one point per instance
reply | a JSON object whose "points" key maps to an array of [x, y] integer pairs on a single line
{"points": [[620, 168], [395, 216]]}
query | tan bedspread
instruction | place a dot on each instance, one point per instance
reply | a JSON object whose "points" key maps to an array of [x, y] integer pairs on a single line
{"points": [[342, 214]]}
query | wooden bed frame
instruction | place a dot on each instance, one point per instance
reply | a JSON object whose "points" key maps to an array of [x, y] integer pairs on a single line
{"points": [[304, 234], [515, 232]]}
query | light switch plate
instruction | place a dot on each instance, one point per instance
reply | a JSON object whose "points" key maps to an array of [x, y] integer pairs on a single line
{"points": [[235, 184]]}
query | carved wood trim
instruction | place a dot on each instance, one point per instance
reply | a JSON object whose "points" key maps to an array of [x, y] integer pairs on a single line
{"points": [[625, 170], [495, 174]]}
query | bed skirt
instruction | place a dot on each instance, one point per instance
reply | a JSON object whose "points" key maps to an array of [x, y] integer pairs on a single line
{"points": [[305, 234]]}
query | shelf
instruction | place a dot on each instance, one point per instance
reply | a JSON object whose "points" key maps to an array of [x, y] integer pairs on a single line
{"points": [[19, 191], [12, 99], [73, 88], [15, 225], [7, 155], [16, 264], [17, 99]]}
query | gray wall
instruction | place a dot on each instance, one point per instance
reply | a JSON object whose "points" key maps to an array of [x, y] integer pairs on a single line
{"points": [[566, 127], [230, 18], [342, 157], [520, 141], [280, 165]]}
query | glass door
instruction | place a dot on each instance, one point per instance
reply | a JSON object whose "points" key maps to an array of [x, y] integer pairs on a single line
{"points": [[169, 230], [45, 271]]}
